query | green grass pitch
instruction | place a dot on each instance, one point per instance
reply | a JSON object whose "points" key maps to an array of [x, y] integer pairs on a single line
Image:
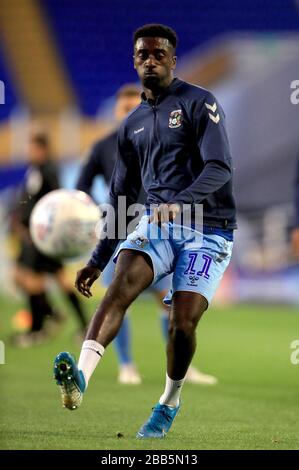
{"points": [[254, 406]]}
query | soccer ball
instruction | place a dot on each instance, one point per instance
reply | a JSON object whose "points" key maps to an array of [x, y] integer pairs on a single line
{"points": [[63, 223]]}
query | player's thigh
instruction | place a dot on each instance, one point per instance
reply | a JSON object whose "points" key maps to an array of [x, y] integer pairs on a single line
{"points": [[133, 274], [63, 280], [187, 309], [28, 280]]}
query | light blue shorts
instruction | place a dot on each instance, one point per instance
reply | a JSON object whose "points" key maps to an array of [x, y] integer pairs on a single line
{"points": [[197, 261]]}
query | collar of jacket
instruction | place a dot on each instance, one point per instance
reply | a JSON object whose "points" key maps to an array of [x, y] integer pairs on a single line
{"points": [[167, 91]]}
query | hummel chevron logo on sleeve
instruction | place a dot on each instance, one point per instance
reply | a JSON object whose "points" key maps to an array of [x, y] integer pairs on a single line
{"points": [[213, 108], [214, 118]]}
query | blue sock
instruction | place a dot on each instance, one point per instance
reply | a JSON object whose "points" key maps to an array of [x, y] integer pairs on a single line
{"points": [[164, 323], [122, 343]]}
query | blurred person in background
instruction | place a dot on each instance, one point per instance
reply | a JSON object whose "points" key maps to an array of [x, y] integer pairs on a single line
{"points": [[100, 162], [32, 267]]}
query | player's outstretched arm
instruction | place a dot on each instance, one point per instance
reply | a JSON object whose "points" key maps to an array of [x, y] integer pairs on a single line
{"points": [[85, 279]]}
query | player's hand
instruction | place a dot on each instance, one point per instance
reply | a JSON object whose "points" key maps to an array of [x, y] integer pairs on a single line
{"points": [[165, 213], [295, 242], [85, 279]]}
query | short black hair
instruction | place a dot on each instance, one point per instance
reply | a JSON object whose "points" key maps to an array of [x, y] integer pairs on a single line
{"points": [[156, 30]]}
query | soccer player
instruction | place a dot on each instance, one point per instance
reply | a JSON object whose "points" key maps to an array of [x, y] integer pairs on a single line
{"points": [[175, 144], [32, 265], [100, 162]]}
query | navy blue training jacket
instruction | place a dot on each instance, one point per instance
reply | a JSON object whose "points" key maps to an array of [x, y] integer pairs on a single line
{"points": [[177, 148]]}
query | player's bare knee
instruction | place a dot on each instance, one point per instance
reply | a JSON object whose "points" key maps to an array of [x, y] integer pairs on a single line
{"points": [[184, 317], [183, 326]]}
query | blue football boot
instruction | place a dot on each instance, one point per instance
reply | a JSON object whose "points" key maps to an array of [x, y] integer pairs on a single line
{"points": [[70, 380], [158, 423]]}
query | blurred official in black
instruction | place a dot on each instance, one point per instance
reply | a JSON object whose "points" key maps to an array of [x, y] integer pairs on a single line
{"points": [[32, 266]]}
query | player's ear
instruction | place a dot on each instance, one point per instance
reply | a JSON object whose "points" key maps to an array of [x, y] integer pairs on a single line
{"points": [[134, 61], [174, 62]]}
